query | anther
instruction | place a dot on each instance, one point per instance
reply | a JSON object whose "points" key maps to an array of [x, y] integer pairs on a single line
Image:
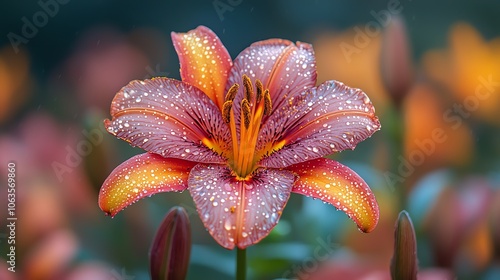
{"points": [[231, 93], [226, 111], [245, 110], [268, 106], [260, 88], [248, 87]]}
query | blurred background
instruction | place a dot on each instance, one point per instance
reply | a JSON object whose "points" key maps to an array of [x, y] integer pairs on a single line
{"points": [[432, 70]]}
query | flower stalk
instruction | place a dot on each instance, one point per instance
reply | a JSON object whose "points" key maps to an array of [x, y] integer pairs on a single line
{"points": [[241, 264]]}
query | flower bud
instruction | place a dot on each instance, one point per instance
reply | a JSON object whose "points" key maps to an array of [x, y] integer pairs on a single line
{"points": [[169, 254], [396, 63], [404, 260]]}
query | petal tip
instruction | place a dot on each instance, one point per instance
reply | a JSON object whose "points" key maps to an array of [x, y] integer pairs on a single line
{"points": [[129, 182], [369, 227]]}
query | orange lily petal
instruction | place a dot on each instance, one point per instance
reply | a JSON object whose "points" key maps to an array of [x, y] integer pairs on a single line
{"points": [[169, 118], [340, 186], [321, 121], [142, 176], [238, 212], [204, 60]]}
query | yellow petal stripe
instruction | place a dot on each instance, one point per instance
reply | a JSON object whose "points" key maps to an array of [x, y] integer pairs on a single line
{"points": [[141, 176], [204, 60], [340, 186]]}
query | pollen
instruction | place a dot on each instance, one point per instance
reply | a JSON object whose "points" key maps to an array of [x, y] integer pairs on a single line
{"points": [[260, 89], [226, 111], [231, 93], [268, 106], [248, 87], [245, 112]]}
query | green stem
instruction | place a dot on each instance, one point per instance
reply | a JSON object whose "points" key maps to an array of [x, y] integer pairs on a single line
{"points": [[241, 264]]}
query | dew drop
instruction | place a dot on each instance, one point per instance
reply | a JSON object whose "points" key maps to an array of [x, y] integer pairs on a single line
{"points": [[227, 224], [274, 218], [366, 99]]}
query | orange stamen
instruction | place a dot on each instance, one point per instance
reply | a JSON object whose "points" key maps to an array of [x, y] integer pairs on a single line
{"points": [[254, 106]]}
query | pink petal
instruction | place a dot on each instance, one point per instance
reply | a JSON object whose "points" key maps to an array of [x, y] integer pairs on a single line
{"points": [[236, 212], [204, 60], [321, 121], [141, 176], [283, 67], [169, 118], [338, 185]]}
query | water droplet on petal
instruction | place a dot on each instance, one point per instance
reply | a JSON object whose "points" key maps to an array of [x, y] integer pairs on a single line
{"points": [[274, 218], [227, 224], [366, 99]]}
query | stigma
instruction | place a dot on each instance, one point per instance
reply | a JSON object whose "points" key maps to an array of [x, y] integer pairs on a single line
{"points": [[256, 104]]}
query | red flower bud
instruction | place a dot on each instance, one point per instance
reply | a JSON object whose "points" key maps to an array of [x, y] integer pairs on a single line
{"points": [[169, 254]]}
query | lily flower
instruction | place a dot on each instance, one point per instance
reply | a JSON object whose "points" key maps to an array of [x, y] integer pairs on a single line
{"points": [[241, 137]]}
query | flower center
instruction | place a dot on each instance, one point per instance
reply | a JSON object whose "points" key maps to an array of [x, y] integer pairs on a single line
{"points": [[253, 107]]}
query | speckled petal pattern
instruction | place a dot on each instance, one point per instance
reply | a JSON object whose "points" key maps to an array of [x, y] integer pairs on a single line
{"points": [[204, 60], [340, 186], [318, 122], [169, 118], [141, 176], [283, 67], [236, 212]]}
